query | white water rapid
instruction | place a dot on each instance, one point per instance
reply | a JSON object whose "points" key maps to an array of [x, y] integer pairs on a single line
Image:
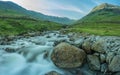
{"points": [[32, 56]]}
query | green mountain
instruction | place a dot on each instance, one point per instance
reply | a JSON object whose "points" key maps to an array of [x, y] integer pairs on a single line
{"points": [[102, 20], [11, 9], [103, 13]]}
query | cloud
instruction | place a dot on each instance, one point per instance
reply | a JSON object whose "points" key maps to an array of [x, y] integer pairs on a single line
{"points": [[49, 7], [69, 8], [45, 5]]}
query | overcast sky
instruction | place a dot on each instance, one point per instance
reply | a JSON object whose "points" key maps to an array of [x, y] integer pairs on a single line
{"points": [[74, 9]]}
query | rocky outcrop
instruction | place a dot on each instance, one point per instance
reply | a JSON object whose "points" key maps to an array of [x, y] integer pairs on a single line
{"points": [[67, 56]]}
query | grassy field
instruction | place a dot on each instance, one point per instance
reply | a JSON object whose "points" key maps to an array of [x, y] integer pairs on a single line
{"points": [[19, 25], [104, 29]]}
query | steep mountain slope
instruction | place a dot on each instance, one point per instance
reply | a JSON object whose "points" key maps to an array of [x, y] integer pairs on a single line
{"points": [[102, 20], [103, 13], [11, 9]]}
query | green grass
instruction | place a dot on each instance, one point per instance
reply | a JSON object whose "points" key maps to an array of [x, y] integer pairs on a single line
{"points": [[20, 25], [104, 29]]}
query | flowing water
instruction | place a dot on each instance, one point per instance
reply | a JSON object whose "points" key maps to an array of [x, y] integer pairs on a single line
{"points": [[31, 56]]}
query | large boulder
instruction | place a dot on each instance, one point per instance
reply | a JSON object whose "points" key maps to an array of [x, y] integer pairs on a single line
{"points": [[65, 55]]}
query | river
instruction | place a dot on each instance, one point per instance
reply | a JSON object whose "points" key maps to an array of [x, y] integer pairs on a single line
{"points": [[31, 56]]}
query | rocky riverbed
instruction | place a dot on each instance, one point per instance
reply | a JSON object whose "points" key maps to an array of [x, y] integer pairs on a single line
{"points": [[55, 53]]}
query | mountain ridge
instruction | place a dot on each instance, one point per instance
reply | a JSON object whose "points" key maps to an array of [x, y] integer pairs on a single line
{"points": [[110, 13], [105, 6]]}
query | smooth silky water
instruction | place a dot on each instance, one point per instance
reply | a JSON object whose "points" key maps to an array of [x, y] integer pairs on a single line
{"points": [[32, 55]]}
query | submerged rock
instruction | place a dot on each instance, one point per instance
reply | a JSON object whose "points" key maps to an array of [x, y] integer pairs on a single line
{"points": [[67, 56]]}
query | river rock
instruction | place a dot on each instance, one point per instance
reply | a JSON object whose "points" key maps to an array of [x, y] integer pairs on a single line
{"points": [[65, 55], [53, 73], [110, 56], [79, 42], [103, 67], [10, 50], [99, 46], [93, 62], [114, 66], [87, 46]]}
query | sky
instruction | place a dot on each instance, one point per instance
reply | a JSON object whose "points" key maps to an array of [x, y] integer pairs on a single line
{"points": [[74, 9]]}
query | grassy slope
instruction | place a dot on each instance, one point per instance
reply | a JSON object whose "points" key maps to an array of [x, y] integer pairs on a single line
{"points": [[103, 22], [19, 25]]}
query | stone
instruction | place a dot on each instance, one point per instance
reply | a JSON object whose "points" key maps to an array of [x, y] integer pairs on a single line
{"points": [[103, 67], [114, 66], [110, 56], [48, 36], [79, 42], [65, 55], [99, 46], [87, 46], [96, 54], [10, 50], [93, 62]]}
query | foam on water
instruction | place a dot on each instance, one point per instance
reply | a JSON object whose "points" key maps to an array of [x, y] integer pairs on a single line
{"points": [[30, 59]]}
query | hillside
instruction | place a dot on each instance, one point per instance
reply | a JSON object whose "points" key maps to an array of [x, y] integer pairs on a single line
{"points": [[103, 13], [15, 20], [22, 25], [102, 20], [8, 8]]}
